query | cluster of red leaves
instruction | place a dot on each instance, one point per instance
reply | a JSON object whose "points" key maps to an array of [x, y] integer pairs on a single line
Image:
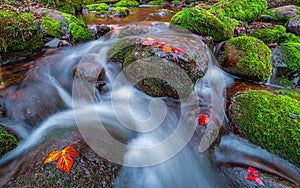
{"points": [[253, 176], [64, 158], [203, 119], [165, 47]]}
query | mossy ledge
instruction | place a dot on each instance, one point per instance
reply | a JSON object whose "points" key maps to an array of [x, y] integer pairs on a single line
{"points": [[270, 34], [271, 120]]}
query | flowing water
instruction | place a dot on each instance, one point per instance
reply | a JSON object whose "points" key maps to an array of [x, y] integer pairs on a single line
{"points": [[185, 162]]}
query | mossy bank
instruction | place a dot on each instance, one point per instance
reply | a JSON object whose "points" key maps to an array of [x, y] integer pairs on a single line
{"points": [[19, 35]]}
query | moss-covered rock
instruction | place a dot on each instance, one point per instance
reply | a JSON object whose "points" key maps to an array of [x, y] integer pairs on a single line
{"points": [[290, 53], [247, 57], [98, 7], [57, 24], [19, 34], [121, 12], [7, 141], [52, 27], [282, 14], [202, 22], [80, 33], [67, 6], [271, 121], [193, 61], [248, 10], [127, 3], [270, 34]]}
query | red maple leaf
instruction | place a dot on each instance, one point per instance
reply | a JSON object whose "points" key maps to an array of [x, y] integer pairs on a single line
{"points": [[64, 158], [253, 176], [177, 50], [203, 119]]}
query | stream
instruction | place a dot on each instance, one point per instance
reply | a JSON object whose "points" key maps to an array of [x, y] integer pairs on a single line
{"points": [[156, 141]]}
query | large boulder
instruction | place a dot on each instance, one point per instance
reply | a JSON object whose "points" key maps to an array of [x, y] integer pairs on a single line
{"points": [[202, 22], [270, 120], [248, 58], [248, 10], [19, 35], [193, 62]]}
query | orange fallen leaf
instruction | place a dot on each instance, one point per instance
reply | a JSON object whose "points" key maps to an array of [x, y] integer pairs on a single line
{"points": [[160, 44], [64, 158], [167, 48]]}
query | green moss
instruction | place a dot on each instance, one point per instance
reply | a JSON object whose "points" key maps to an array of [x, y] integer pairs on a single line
{"points": [[52, 26], [202, 22], [72, 19], [127, 3], [19, 33], [248, 10], [122, 10], [254, 57], [283, 82], [156, 2], [270, 34], [80, 33], [98, 7], [291, 56], [271, 121], [7, 141]]}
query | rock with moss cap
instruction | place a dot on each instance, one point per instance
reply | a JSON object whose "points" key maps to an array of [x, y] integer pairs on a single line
{"points": [[248, 58], [270, 120], [58, 24], [248, 10], [7, 141], [121, 12], [19, 35], [127, 3], [270, 33], [281, 14], [193, 62], [202, 22]]}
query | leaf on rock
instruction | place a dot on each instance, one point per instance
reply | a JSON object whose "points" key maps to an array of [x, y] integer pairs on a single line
{"points": [[64, 158], [160, 44], [53, 156], [150, 38], [177, 50], [253, 176], [167, 48], [203, 119], [252, 171], [149, 42]]}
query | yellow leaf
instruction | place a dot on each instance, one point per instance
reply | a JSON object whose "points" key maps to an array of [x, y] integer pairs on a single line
{"points": [[53, 156], [150, 38]]}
